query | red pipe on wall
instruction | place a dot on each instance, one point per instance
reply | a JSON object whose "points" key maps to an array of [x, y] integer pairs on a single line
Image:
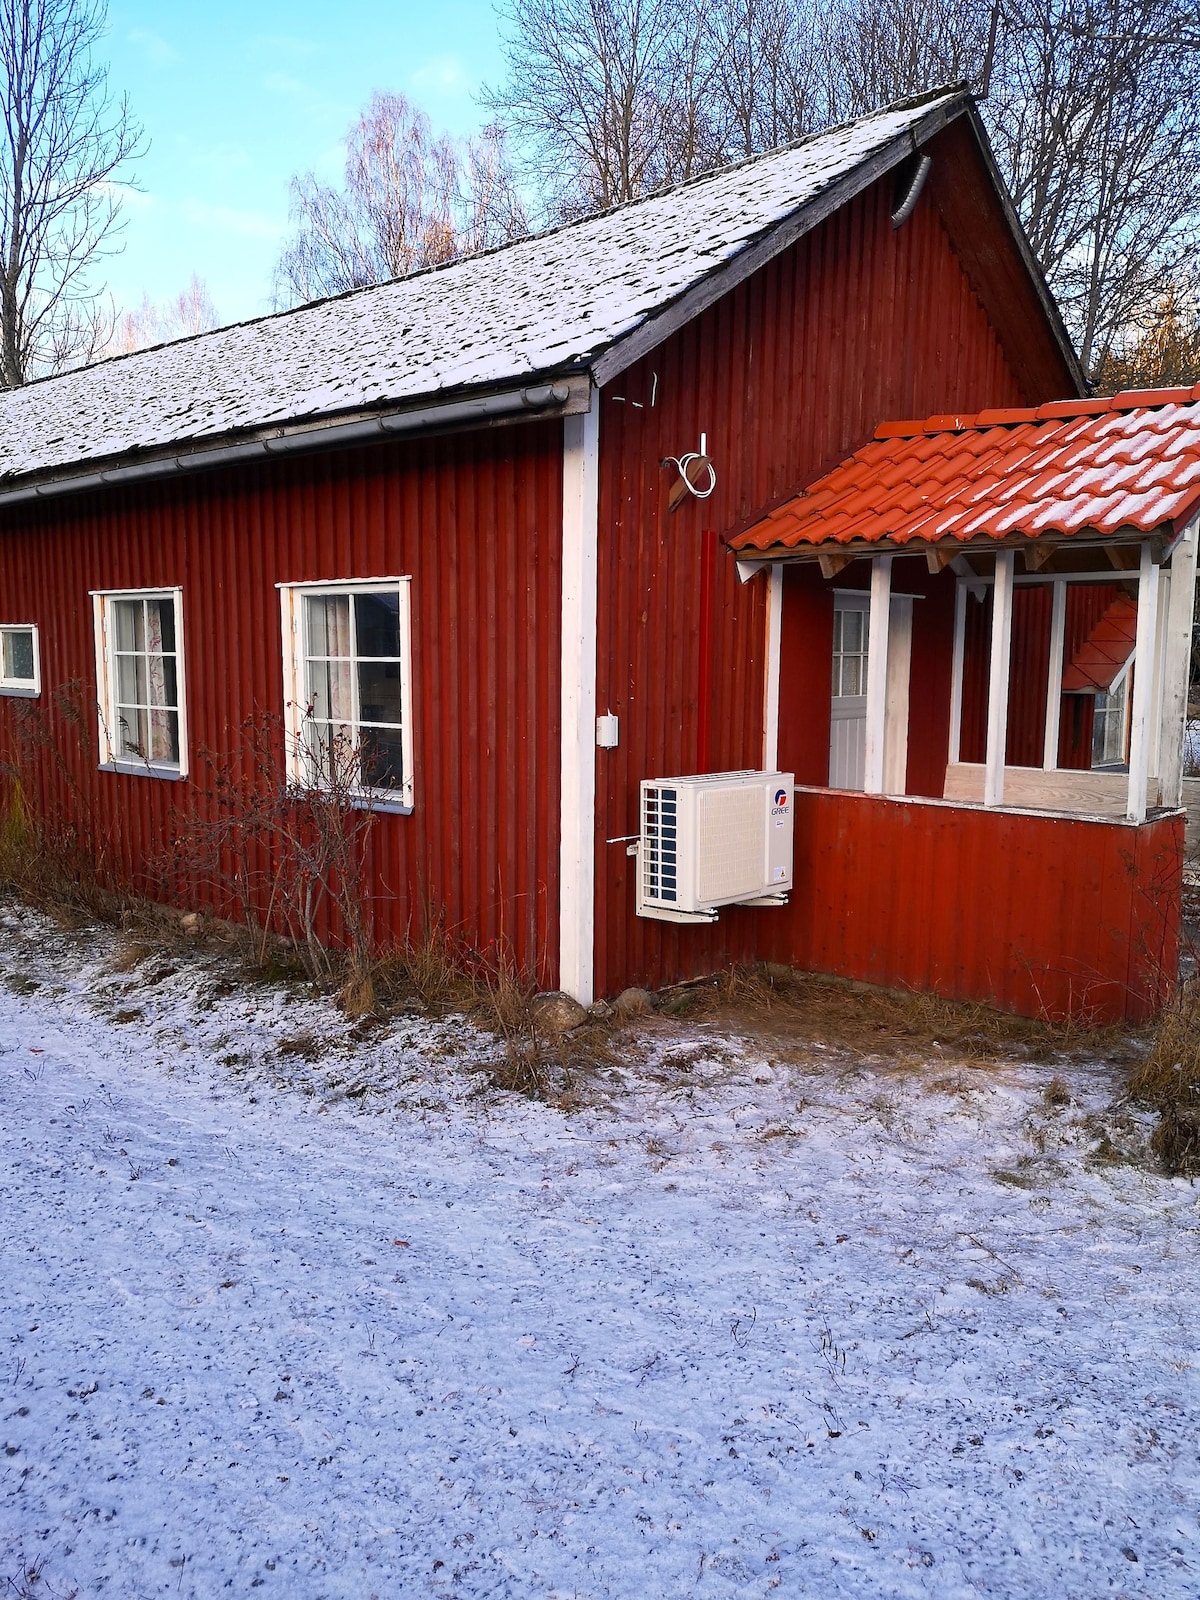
{"points": [[708, 583]]}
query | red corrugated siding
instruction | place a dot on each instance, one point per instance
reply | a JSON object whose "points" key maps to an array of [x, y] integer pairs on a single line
{"points": [[1036, 915], [476, 521], [1028, 675], [787, 374]]}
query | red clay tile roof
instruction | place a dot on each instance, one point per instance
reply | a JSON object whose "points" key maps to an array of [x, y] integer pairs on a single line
{"points": [[1070, 467], [1106, 649]]}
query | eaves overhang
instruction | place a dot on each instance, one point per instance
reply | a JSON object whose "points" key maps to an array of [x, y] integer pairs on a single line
{"points": [[564, 395]]}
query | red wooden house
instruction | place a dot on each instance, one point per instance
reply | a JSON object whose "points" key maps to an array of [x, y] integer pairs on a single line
{"points": [[454, 520]]}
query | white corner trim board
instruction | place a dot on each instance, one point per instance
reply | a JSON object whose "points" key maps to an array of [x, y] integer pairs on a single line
{"points": [[577, 817], [771, 686]]}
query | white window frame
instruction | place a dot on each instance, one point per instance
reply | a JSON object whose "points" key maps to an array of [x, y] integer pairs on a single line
{"points": [[106, 687], [1121, 680], [26, 688], [295, 689]]}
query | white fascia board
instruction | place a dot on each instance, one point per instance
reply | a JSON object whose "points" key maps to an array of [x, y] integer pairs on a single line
{"points": [[651, 333], [577, 788]]}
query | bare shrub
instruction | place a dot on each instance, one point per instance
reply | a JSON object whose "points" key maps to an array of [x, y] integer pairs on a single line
{"points": [[1168, 1081], [289, 859]]}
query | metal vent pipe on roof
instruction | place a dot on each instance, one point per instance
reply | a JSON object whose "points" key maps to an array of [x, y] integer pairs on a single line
{"points": [[908, 205]]}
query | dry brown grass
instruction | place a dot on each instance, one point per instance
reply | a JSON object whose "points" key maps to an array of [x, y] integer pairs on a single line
{"points": [[1168, 1081], [798, 1008]]}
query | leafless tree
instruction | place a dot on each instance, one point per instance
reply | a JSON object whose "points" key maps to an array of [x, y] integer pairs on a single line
{"points": [[878, 51], [1096, 119], [65, 140], [769, 84], [191, 311], [409, 199], [607, 98], [1094, 110]]}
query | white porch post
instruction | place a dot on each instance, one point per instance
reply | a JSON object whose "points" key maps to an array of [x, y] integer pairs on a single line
{"points": [[1143, 685], [771, 688], [577, 805], [1058, 632], [956, 671], [877, 672], [1177, 656], [997, 717]]}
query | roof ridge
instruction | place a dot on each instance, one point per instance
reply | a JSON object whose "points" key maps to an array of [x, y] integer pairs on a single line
{"points": [[907, 103], [1048, 411]]}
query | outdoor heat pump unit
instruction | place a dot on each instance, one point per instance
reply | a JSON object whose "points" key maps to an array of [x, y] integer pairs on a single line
{"points": [[722, 839]]}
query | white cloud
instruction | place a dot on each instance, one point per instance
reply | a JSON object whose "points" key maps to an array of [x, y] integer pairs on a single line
{"points": [[246, 224], [444, 74], [155, 48]]}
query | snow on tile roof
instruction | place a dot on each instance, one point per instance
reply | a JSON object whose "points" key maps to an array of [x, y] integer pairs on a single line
{"points": [[1070, 467], [545, 305]]}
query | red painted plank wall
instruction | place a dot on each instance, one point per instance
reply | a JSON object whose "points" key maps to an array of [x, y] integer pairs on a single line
{"points": [[476, 520], [1035, 915], [785, 375], [1029, 671], [806, 651]]}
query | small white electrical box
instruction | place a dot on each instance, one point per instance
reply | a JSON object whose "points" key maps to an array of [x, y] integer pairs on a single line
{"points": [[608, 731], [719, 839]]}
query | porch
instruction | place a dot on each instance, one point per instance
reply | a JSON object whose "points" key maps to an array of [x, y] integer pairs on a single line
{"points": [[979, 635]]}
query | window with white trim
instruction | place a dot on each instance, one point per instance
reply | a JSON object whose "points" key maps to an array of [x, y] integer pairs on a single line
{"points": [[346, 688], [20, 668], [1110, 724], [139, 677]]}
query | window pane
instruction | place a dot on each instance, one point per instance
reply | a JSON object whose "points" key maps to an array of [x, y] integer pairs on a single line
{"points": [[161, 625], [329, 690], [164, 736], [164, 681], [18, 654], [128, 624], [852, 630], [327, 624], [131, 732], [379, 691], [377, 624], [382, 759], [132, 688], [852, 675], [330, 754]]}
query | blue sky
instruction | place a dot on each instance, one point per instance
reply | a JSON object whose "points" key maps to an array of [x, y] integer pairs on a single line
{"points": [[235, 98]]}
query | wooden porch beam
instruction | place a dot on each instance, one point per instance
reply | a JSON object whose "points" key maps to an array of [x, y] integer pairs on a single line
{"points": [[956, 671], [1125, 557], [877, 672], [1058, 633], [831, 565], [1177, 652], [1143, 684], [939, 557], [997, 718], [1038, 555]]}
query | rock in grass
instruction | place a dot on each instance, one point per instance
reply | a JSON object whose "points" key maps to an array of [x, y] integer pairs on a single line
{"points": [[633, 1003], [556, 1014]]}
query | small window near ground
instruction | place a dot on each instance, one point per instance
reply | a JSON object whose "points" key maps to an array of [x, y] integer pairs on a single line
{"points": [[346, 675], [20, 671], [139, 675]]}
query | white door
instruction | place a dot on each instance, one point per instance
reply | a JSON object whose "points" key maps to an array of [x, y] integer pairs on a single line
{"points": [[848, 707]]}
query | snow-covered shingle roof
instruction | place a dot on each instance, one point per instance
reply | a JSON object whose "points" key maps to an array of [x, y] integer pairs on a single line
{"points": [[544, 306]]}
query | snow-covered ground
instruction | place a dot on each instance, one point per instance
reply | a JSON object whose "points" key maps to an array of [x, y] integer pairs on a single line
{"points": [[745, 1324]]}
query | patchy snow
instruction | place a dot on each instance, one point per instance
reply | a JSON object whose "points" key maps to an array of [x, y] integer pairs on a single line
{"points": [[541, 306], [746, 1324]]}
